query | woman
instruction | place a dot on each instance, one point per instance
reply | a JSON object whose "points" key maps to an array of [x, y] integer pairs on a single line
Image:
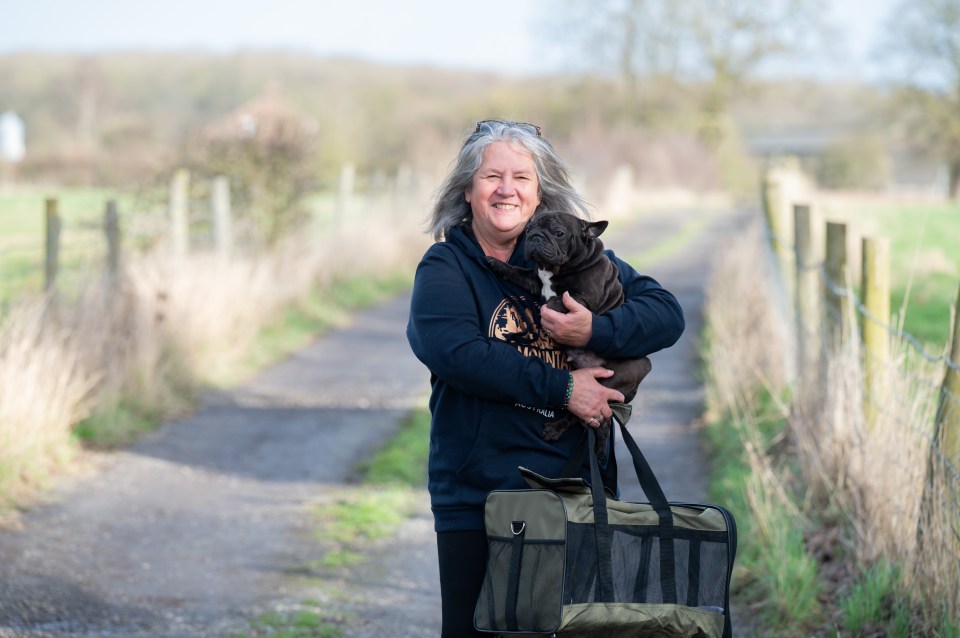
{"points": [[497, 369]]}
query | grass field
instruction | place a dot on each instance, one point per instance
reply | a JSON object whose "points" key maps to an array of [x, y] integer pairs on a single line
{"points": [[22, 235], [142, 223], [925, 259]]}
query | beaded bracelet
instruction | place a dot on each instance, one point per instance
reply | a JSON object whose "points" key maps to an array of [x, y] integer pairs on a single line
{"points": [[566, 401]]}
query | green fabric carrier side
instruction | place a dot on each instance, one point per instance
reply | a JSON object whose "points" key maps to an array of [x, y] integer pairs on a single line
{"points": [[596, 620], [568, 558], [523, 586], [541, 511]]}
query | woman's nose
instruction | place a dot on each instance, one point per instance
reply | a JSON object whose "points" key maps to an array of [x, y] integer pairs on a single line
{"points": [[506, 186]]}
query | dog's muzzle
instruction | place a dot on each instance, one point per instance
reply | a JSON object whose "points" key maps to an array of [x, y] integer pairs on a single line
{"points": [[541, 250]]}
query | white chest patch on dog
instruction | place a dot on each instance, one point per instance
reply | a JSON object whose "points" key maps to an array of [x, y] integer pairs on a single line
{"points": [[546, 278]]}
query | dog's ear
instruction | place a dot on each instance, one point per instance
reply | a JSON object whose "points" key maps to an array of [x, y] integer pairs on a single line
{"points": [[595, 229]]}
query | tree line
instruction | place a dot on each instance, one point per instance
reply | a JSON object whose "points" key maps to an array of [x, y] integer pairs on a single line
{"points": [[679, 74]]}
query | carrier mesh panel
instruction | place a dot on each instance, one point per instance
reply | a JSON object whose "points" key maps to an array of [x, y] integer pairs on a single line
{"points": [[713, 571], [700, 559], [540, 586]]}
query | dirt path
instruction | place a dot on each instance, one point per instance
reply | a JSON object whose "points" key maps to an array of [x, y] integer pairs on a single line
{"points": [[202, 525], [198, 526], [670, 400]]}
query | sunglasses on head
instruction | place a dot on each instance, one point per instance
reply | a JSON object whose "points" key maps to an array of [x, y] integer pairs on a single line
{"points": [[485, 124]]}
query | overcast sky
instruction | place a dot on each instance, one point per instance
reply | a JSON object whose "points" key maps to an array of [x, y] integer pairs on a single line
{"points": [[490, 35]]}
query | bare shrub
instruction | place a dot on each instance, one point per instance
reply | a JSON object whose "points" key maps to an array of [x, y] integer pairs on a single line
{"points": [[268, 148]]}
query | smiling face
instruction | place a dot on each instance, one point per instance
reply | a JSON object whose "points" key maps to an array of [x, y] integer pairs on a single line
{"points": [[503, 197]]}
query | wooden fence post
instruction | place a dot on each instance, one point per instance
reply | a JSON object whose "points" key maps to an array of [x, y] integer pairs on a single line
{"points": [[807, 300], [51, 261], [838, 306], [222, 215], [948, 410], [179, 212], [774, 207], [111, 227], [875, 330]]}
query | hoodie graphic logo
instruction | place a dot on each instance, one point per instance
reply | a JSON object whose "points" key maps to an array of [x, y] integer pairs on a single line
{"points": [[518, 327]]}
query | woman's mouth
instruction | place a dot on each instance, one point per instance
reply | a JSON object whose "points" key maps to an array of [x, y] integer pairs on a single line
{"points": [[505, 207]]}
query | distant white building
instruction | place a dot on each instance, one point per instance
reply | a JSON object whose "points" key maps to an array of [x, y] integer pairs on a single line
{"points": [[12, 137]]}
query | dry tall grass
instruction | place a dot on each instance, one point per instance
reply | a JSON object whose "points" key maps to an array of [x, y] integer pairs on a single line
{"points": [[44, 389], [166, 327], [899, 497], [747, 335]]}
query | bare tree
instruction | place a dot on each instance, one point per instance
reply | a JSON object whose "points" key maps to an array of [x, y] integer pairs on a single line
{"points": [[924, 37], [714, 45]]}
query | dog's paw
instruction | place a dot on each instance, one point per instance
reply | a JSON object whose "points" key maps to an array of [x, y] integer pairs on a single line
{"points": [[645, 366], [553, 431], [602, 436], [496, 265]]}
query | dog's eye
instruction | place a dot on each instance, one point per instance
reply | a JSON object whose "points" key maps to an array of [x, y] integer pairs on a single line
{"points": [[558, 233]]}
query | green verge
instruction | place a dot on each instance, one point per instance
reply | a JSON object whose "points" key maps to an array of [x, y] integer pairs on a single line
{"points": [[391, 484], [393, 478], [774, 574], [403, 460], [878, 603], [873, 600], [305, 620]]}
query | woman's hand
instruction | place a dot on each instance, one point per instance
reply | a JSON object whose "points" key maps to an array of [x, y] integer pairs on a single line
{"points": [[589, 400], [573, 328]]}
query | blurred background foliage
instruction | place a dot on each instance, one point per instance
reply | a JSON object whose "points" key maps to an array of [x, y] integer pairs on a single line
{"points": [[687, 94], [117, 119]]}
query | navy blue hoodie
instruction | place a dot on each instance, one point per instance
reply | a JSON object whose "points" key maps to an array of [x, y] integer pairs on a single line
{"points": [[497, 378]]}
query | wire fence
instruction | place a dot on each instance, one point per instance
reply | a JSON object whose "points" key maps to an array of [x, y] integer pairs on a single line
{"points": [[876, 405], [59, 241]]}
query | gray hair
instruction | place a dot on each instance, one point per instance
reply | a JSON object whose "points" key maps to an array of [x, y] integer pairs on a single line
{"points": [[556, 192]]}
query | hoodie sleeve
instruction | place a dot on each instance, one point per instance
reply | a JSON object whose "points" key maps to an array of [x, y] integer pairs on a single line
{"points": [[649, 320], [447, 333]]}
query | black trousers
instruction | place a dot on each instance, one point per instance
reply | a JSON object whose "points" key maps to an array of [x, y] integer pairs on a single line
{"points": [[463, 562]]}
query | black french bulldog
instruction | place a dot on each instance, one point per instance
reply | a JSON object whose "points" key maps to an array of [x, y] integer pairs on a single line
{"points": [[569, 257]]}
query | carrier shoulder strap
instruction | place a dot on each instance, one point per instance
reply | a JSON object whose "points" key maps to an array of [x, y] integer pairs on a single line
{"points": [[654, 493]]}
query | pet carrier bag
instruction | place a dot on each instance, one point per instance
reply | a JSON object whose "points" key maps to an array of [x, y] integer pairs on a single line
{"points": [[567, 558]]}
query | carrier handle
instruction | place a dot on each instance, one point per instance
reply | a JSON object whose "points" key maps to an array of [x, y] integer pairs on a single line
{"points": [[654, 493], [646, 477]]}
